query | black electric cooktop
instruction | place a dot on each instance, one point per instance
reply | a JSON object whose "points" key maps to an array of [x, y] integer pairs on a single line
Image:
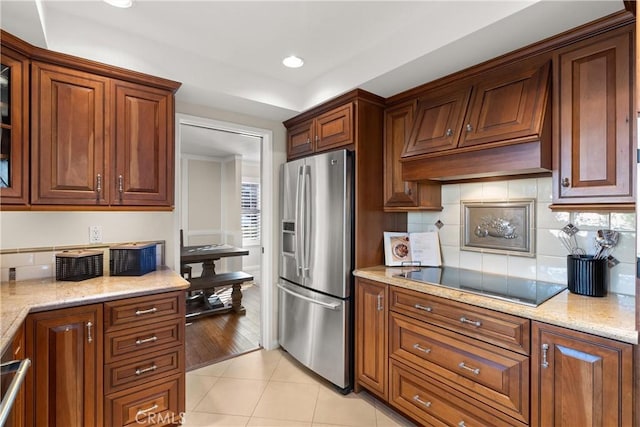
{"points": [[513, 289]]}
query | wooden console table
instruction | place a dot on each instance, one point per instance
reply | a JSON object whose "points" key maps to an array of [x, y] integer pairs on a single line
{"points": [[209, 280]]}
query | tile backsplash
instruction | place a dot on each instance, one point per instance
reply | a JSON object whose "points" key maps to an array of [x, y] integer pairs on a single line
{"points": [[40, 263], [550, 263]]}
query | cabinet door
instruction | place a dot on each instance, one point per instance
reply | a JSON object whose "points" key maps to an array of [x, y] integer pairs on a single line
{"points": [[144, 144], [334, 128], [579, 379], [507, 106], [400, 195], [14, 128], [300, 140], [70, 140], [397, 125], [65, 381], [593, 159], [438, 122], [371, 336]]}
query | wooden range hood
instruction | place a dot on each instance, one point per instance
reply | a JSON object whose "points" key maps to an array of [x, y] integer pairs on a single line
{"points": [[496, 123]]}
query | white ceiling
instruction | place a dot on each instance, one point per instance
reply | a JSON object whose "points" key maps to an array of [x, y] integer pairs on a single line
{"points": [[227, 54]]}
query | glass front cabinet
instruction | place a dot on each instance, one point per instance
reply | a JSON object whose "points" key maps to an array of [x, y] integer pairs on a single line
{"points": [[14, 139]]}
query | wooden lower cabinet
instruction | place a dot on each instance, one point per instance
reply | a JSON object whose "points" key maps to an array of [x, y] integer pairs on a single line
{"points": [[371, 336], [15, 351], [144, 352], [143, 381], [64, 383], [433, 403], [580, 379]]}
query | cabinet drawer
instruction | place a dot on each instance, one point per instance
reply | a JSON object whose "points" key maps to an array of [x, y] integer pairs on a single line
{"points": [[156, 403], [143, 340], [490, 374], [435, 404], [132, 312], [504, 330], [142, 369]]}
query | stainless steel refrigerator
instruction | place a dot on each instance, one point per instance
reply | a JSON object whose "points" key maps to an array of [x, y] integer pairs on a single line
{"points": [[316, 285]]}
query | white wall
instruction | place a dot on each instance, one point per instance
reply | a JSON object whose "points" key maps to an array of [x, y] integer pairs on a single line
{"points": [[550, 263]]}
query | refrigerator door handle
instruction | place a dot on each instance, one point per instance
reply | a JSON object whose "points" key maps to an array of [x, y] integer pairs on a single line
{"points": [[298, 216], [306, 200], [331, 306]]}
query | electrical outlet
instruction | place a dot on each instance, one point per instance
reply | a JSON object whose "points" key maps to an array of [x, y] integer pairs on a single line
{"points": [[95, 234]]}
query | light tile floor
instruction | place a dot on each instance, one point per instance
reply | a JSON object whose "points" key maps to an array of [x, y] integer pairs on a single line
{"points": [[270, 388]]}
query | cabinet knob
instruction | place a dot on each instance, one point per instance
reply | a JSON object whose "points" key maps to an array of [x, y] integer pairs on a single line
{"points": [[566, 182], [449, 132], [469, 127], [408, 191]]}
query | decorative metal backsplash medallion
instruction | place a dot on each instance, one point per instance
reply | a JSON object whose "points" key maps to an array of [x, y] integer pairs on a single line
{"points": [[498, 226]]}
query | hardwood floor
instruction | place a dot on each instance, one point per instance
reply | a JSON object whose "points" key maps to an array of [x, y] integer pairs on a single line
{"points": [[219, 337]]}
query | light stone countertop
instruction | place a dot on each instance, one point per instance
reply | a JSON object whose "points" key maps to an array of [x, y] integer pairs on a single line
{"points": [[612, 316], [17, 299]]}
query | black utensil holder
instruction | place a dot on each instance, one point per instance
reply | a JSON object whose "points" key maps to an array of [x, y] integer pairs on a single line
{"points": [[587, 275]]}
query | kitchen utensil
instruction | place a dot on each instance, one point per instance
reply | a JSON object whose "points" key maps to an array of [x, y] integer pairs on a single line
{"points": [[606, 241], [567, 236]]}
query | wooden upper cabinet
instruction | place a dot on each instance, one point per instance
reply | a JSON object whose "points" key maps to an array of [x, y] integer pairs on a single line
{"points": [[14, 141], [334, 128], [439, 121], [327, 131], [593, 152], [400, 195], [579, 379], [70, 136], [300, 139], [506, 105], [143, 146]]}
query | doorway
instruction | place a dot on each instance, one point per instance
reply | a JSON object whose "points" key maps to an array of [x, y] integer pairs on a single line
{"points": [[221, 173]]}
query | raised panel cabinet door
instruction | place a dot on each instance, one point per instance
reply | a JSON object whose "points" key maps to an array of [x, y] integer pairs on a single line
{"points": [[508, 106], [371, 336], [64, 384], [595, 123], [438, 121], [334, 128], [300, 140], [579, 380], [70, 136], [143, 148], [14, 128], [397, 126]]}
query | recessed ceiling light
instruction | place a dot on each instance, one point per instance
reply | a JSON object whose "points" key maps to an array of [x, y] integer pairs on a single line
{"points": [[293, 62], [120, 3]]}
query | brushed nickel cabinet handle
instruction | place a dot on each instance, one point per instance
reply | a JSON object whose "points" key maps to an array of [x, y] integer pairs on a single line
{"points": [[380, 307], [416, 398], [145, 370], [144, 411], [475, 371], [148, 311], [89, 338], [566, 183], [545, 349], [422, 349], [423, 307], [471, 322], [120, 186], [99, 184], [146, 340]]}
